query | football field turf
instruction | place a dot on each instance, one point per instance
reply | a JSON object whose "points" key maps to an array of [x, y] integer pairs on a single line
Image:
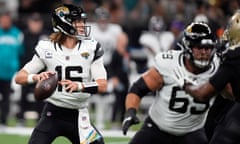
{"points": [[20, 139], [20, 135]]}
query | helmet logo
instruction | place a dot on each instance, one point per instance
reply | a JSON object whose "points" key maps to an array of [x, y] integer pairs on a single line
{"points": [[189, 29], [61, 11]]}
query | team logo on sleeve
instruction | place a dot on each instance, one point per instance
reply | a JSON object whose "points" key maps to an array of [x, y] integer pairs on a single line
{"points": [[48, 54], [85, 55]]}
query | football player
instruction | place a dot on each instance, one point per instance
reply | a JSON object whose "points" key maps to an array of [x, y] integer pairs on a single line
{"points": [[78, 61], [106, 33], [175, 117], [228, 130], [109, 35]]}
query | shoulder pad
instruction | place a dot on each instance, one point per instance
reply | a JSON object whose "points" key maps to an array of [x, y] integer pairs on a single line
{"points": [[166, 61], [42, 46]]}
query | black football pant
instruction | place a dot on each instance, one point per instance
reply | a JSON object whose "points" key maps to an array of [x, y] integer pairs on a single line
{"points": [[119, 106], [216, 114], [151, 134], [54, 122], [228, 130], [5, 91]]}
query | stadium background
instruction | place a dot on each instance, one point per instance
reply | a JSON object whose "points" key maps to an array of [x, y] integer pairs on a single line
{"points": [[133, 16]]}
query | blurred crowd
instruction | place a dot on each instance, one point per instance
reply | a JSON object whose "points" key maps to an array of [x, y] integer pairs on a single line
{"points": [[130, 31]]}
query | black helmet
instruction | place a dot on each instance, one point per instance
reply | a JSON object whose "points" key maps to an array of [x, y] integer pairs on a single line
{"points": [[63, 17], [200, 35]]}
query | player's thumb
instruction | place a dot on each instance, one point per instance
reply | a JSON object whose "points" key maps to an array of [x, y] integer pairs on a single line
{"points": [[125, 127]]}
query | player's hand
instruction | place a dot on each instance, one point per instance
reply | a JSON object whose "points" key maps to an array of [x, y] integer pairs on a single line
{"points": [[42, 76], [130, 119], [70, 86]]}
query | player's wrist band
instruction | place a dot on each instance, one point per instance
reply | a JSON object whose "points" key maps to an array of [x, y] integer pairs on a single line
{"points": [[30, 78], [132, 111], [88, 87], [80, 86]]}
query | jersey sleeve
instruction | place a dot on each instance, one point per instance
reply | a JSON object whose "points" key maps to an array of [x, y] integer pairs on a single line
{"points": [[220, 79], [42, 48], [98, 70], [37, 64], [164, 62]]}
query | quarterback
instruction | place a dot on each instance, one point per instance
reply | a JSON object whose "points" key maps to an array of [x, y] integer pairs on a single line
{"points": [[175, 117], [78, 61]]}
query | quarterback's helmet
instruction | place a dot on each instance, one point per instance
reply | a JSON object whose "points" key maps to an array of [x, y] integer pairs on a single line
{"points": [[63, 17], [232, 31], [198, 34]]}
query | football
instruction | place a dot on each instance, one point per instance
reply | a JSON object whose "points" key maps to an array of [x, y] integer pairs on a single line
{"points": [[45, 88]]}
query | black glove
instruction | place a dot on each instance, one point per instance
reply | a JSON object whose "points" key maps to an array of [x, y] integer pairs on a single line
{"points": [[130, 118]]}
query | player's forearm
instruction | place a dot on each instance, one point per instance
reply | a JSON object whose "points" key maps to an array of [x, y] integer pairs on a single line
{"points": [[202, 93], [22, 77], [102, 85], [132, 101]]}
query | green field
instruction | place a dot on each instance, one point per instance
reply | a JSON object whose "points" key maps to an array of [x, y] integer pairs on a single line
{"points": [[18, 139], [14, 138]]}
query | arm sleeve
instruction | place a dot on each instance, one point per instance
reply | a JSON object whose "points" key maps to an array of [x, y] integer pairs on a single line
{"points": [[220, 79], [98, 70], [35, 65]]}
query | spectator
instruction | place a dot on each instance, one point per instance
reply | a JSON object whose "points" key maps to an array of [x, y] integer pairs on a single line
{"points": [[119, 79], [32, 34], [11, 49], [107, 34], [156, 39]]}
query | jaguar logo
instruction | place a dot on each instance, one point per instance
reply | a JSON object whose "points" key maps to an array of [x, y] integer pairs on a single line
{"points": [[85, 55]]}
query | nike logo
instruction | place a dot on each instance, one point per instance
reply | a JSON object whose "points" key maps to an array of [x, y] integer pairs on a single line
{"points": [[127, 119]]}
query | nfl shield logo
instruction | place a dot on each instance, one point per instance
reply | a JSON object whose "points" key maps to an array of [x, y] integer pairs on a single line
{"points": [[48, 54]]}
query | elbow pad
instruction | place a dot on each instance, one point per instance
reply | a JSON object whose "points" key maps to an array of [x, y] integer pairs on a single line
{"points": [[139, 88]]}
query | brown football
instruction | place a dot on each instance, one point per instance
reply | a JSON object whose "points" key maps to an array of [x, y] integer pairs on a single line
{"points": [[45, 88]]}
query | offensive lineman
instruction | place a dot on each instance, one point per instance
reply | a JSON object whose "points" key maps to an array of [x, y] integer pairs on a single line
{"points": [[175, 117], [78, 61]]}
